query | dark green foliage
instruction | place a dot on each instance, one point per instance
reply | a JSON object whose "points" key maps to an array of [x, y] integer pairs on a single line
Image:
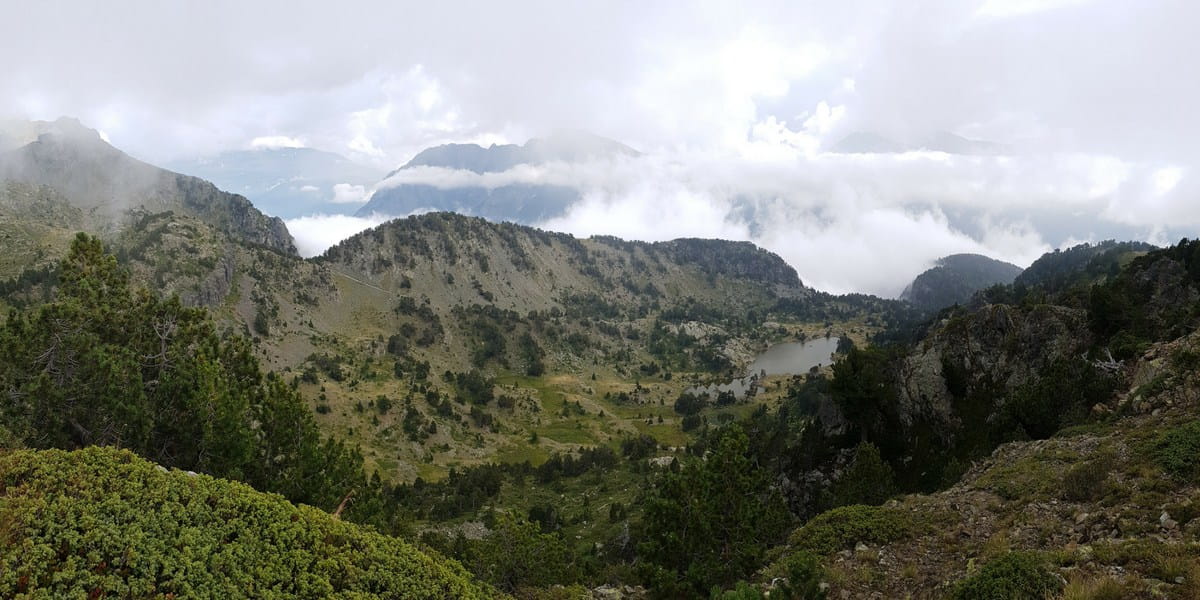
{"points": [[1060, 270], [678, 350], [473, 387], [863, 388], [869, 480], [481, 418], [108, 365], [843, 527], [102, 522], [725, 398], [956, 278], [331, 366], [956, 377], [569, 465], [803, 574], [547, 516], [638, 447], [1014, 576], [1087, 481], [1178, 452], [428, 326], [491, 344], [1151, 300], [517, 555], [531, 355], [710, 523], [397, 344], [731, 259], [690, 404], [1062, 393], [589, 306], [617, 512], [262, 320], [383, 404], [742, 591], [468, 490]]}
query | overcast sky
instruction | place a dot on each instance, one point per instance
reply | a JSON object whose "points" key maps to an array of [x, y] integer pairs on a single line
{"points": [[734, 106]]}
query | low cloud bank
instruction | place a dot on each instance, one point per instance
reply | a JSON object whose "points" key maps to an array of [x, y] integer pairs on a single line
{"points": [[315, 233], [847, 222]]}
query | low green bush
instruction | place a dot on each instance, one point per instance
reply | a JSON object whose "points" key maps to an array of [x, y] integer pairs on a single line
{"points": [[845, 526], [1013, 576], [1087, 481], [100, 522], [1176, 452], [803, 573]]}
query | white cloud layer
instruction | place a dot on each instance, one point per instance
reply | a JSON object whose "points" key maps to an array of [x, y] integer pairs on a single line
{"points": [[345, 193], [315, 233], [858, 222], [276, 141]]}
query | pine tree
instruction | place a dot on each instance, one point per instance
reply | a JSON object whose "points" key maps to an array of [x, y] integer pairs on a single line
{"points": [[106, 364], [711, 522]]}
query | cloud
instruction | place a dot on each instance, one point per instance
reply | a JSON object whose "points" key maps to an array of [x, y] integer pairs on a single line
{"points": [[345, 193], [315, 233], [276, 141], [1020, 8], [855, 222]]}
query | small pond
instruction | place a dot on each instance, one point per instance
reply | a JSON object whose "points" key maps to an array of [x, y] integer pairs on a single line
{"points": [[792, 358]]}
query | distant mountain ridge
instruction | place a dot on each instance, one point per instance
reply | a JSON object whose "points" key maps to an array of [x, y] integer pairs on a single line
{"points": [[571, 146], [955, 278], [111, 188], [284, 182], [524, 203], [868, 142]]}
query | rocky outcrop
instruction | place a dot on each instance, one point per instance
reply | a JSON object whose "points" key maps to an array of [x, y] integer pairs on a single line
{"points": [[233, 214], [996, 348], [213, 289]]}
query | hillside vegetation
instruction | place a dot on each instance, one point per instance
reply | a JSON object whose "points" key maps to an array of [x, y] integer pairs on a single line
{"points": [[103, 523], [955, 278]]}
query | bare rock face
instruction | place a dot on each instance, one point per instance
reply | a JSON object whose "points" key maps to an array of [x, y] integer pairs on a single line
{"points": [[997, 348], [215, 286]]}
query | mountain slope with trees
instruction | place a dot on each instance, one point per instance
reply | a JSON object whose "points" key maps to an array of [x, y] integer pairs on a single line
{"points": [[955, 278]]}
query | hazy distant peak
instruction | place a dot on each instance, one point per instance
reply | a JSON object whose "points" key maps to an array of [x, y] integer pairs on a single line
{"points": [[566, 145], [573, 145], [869, 142], [17, 133], [952, 143], [865, 142]]}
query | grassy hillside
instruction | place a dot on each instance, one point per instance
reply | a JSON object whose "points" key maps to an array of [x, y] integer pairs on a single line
{"points": [[101, 522]]}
